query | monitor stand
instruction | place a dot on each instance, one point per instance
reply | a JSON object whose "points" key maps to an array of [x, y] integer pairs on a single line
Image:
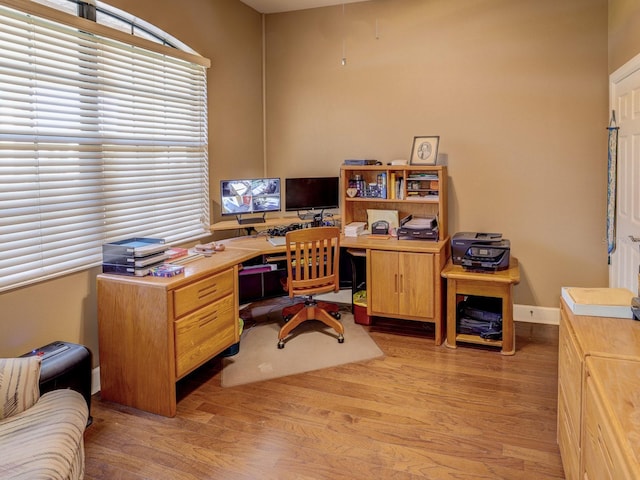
{"points": [[311, 215], [245, 221]]}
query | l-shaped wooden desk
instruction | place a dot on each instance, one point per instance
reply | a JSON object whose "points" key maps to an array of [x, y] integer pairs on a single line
{"points": [[153, 331]]}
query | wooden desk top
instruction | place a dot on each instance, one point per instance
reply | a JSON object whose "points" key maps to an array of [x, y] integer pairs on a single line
{"points": [[237, 250], [268, 223], [509, 275], [241, 249], [604, 335], [380, 242]]}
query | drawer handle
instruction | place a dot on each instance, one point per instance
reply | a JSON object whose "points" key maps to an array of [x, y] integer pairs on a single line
{"points": [[207, 319], [210, 290]]}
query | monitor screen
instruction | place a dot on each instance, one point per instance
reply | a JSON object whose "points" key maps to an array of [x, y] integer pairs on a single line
{"points": [[257, 195], [314, 193]]}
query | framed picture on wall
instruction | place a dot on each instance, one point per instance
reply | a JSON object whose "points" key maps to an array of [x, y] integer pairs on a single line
{"points": [[424, 151]]}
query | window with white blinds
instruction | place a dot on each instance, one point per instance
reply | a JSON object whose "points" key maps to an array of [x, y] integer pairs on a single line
{"points": [[100, 140]]}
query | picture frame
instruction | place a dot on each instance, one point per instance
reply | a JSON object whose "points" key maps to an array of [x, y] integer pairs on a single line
{"points": [[424, 150]]}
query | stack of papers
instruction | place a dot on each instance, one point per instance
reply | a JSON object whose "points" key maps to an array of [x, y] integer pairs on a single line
{"points": [[354, 229], [599, 302]]}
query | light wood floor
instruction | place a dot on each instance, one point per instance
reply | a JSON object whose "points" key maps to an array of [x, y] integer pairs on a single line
{"points": [[419, 412]]}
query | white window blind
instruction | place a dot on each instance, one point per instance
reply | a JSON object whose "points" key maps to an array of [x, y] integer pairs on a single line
{"points": [[99, 141]]}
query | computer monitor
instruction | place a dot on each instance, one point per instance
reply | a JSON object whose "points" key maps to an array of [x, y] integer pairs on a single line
{"points": [[250, 196], [311, 194]]}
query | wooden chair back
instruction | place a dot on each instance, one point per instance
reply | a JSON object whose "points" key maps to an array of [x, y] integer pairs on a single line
{"points": [[313, 257]]}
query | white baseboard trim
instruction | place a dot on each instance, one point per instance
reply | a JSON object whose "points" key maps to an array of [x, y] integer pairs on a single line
{"points": [[95, 380], [521, 313], [533, 314]]}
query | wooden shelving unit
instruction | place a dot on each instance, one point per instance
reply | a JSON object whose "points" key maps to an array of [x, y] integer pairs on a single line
{"points": [[403, 276], [410, 189]]}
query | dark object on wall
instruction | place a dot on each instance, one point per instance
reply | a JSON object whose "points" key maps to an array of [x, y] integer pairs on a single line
{"points": [[65, 365]]}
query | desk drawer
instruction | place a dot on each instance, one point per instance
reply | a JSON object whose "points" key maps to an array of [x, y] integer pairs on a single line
{"points": [[191, 297], [568, 440], [205, 333], [603, 457], [570, 374]]}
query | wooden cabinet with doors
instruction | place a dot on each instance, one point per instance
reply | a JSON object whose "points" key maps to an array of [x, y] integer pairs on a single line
{"points": [[401, 284]]}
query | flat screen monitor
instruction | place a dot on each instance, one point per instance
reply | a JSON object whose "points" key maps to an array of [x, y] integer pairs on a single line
{"points": [[256, 195], [312, 193]]}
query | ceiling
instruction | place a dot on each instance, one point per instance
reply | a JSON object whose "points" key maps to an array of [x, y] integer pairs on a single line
{"points": [[275, 6]]}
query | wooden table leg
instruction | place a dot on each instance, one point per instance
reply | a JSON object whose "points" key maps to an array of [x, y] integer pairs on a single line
{"points": [[452, 308], [508, 331]]}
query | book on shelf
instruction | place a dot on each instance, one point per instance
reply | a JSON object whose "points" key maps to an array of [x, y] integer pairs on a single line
{"points": [[392, 186], [400, 188], [599, 302], [423, 176]]}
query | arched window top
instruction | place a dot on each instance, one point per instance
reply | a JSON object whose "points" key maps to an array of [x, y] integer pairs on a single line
{"points": [[105, 14], [103, 136]]}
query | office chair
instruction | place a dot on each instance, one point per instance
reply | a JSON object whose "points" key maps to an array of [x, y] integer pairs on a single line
{"points": [[313, 256]]}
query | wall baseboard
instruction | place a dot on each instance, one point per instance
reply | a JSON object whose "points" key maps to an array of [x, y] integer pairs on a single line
{"points": [[521, 313], [95, 380], [533, 314]]}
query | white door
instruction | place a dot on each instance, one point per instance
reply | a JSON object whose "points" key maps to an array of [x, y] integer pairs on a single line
{"points": [[624, 98]]}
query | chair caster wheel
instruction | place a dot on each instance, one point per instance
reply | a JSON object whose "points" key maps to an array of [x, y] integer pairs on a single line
{"points": [[281, 344], [286, 318], [340, 339], [335, 315]]}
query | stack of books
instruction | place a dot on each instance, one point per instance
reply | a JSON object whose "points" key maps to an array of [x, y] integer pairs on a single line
{"points": [[134, 256], [354, 229]]}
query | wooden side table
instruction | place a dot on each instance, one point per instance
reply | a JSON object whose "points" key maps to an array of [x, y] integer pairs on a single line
{"points": [[490, 284]]}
